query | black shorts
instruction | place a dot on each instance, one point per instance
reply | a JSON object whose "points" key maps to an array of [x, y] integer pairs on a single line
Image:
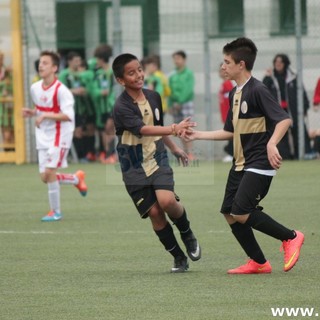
{"points": [[244, 191], [144, 196]]}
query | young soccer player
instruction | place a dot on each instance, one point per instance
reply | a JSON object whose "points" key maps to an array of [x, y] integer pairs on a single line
{"points": [[54, 112], [256, 123], [144, 162]]}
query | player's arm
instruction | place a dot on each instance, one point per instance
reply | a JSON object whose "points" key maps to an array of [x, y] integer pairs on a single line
{"points": [[51, 116], [221, 134], [174, 129], [273, 153], [176, 151], [28, 113]]}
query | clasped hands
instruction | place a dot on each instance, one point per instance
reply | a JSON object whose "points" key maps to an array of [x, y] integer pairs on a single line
{"points": [[183, 128]]}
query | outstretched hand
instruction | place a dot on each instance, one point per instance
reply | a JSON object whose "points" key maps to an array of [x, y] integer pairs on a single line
{"points": [[181, 156], [184, 125], [188, 135]]}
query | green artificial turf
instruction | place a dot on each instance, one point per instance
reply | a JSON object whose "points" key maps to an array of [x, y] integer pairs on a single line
{"points": [[103, 262]]}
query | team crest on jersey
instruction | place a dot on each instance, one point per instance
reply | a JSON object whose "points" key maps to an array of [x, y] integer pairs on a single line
{"points": [[244, 107], [157, 114], [44, 99]]}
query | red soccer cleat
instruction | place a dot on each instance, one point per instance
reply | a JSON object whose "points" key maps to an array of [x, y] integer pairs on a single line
{"points": [[252, 267], [81, 186], [291, 250]]}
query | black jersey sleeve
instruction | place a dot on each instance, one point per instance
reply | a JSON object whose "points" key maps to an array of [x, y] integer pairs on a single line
{"points": [[127, 117], [268, 104]]}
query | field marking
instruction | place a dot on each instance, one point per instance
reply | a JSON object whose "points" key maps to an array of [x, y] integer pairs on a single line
{"points": [[43, 232], [88, 232]]}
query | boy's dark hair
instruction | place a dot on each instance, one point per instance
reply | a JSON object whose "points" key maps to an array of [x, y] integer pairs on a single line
{"points": [[103, 52], [73, 54], [120, 61], [54, 57], [285, 59], [180, 53], [155, 58], [242, 49]]}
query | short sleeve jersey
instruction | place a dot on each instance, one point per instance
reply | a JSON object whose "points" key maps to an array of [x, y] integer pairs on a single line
{"points": [[139, 156], [58, 99], [252, 118]]}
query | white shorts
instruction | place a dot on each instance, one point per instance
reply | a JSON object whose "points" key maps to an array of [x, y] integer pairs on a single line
{"points": [[54, 157]]}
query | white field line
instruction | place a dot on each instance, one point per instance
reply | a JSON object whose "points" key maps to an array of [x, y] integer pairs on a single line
{"points": [[91, 232]]}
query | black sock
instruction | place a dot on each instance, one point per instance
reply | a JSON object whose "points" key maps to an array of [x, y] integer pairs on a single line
{"points": [[262, 222], [79, 146], [89, 144], [183, 225], [167, 238], [244, 234]]}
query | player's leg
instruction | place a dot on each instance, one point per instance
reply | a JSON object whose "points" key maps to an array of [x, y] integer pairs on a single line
{"points": [[177, 213], [253, 188], [169, 202], [146, 203], [77, 179], [164, 231], [243, 233], [111, 157], [48, 175], [78, 138]]}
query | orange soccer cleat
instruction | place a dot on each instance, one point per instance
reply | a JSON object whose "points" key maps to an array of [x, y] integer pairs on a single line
{"points": [[291, 250], [81, 186], [252, 267]]}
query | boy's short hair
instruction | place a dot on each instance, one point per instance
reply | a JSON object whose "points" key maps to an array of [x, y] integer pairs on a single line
{"points": [[180, 53], [120, 61], [103, 52], [54, 57], [73, 54], [242, 49]]}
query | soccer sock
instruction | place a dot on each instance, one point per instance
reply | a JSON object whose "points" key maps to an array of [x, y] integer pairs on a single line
{"points": [[67, 178], [54, 195], [80, 147], [91, 144], [183, 224], [262, 222], [244, 234], [167, 238]]}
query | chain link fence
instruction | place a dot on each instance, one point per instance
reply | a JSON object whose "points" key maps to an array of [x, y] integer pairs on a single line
{"points": [[200, 28]]}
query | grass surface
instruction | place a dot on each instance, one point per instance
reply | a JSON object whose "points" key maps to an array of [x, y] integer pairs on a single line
{"points": [[102, 262]]}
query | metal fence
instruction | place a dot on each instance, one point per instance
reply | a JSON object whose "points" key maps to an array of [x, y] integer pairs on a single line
{"points": [[201, 28]]}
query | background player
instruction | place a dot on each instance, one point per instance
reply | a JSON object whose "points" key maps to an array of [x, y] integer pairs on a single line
{"points": [[54, 112]]}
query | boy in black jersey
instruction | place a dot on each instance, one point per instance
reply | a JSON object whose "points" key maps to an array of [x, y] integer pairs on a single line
{"points": [[148, 178], [256, 123]]}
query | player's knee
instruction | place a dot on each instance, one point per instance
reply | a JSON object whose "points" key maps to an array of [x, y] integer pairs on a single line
{"points": [[44, 177], [168, 203], [241, 218]]}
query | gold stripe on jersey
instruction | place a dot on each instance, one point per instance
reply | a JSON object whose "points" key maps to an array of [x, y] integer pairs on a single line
{"points": [[149, 164], [243, 126]]}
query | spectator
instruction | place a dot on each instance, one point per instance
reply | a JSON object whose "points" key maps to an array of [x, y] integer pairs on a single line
{"points": [[71, 78], [181, 83], [316, 96], [104, 99], [6, 106], [225, 87], [155, 65], [282, 82]]}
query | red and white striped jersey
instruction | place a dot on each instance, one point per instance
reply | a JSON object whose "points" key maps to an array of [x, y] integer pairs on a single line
{"points": [[58, 99]]}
